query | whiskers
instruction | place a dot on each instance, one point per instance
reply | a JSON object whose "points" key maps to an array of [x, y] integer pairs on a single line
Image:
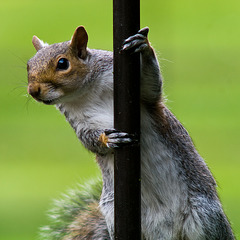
{"points": [[16, 83], [28, 100], [20, 91], [19, 58], [22, 87]]}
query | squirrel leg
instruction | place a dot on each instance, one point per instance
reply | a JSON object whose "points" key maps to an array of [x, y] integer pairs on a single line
{"points": [[104, 141], [151, 82]]}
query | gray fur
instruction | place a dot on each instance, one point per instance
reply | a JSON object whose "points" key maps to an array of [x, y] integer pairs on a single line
{"points": [[179, 198]]}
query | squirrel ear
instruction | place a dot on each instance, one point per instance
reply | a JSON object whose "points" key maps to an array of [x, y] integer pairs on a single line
{"points": [[79, 42], [37, 43]]}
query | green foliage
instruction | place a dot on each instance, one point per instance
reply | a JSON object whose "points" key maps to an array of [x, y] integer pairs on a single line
{"points": [[198, 46]]}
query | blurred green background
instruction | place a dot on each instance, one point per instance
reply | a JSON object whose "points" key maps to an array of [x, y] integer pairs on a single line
{"points": [[198, 45]]}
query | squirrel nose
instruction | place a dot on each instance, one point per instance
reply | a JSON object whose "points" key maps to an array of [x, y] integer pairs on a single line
{"points": [[34, 90]]}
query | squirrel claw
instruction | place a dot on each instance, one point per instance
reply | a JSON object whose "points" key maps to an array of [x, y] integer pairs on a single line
{"points": [[144, 31], [112, 138], [137, 42]]}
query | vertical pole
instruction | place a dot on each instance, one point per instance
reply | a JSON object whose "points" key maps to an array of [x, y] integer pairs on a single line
{"points": [[127, 190]]}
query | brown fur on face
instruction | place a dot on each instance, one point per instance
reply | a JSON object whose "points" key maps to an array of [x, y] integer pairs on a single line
{"points": [[48, 83], [44, 75]]}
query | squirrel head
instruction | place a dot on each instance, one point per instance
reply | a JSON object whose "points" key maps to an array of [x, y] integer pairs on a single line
{"points": [[57, 71]]}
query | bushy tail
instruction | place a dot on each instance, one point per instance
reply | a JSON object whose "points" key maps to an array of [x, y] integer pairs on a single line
{"points": [[77, 216]]}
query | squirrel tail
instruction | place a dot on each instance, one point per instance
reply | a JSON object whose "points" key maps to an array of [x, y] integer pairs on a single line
{"points": [[77, 215]]}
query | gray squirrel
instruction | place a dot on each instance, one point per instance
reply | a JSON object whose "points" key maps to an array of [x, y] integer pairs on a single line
{"points": [[179, 198]]}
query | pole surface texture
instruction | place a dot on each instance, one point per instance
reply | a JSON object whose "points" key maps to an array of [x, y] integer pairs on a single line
{"points": [[127, 174]]}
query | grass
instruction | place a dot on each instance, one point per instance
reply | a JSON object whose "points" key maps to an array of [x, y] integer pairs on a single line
{"points": [[40, 156]]}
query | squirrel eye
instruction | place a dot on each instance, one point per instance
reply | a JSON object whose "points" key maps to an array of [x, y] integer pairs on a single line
{"points": [[63, 64]]}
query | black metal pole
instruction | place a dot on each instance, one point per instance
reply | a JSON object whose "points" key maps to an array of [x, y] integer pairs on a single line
{"points": [[127, 190]]}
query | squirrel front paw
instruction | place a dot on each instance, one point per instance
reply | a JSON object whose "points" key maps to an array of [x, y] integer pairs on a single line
{"points": [[112, 138], [138, 42]]}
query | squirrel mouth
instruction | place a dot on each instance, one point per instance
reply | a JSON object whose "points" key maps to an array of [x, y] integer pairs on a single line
{"points": [[49, 102]]}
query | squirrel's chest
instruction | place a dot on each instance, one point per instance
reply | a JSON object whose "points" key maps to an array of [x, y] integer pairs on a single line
{"points": [[91, 115]]}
